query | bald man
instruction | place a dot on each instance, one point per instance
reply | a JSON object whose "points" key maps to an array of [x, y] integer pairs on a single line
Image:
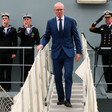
{"points": [[64, 33]]}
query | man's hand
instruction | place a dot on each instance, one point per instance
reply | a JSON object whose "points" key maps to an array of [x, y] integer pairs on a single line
{"points": [[13, 56], [101, 18], [39, 47], [78, 57], [4, 24], [96, 22], [25, 25]]}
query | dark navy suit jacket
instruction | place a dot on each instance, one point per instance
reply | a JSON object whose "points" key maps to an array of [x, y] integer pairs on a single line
{"points": [[64, 40]]}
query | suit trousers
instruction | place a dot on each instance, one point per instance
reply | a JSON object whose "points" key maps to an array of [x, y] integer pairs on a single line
{"points": [[67, 62]]}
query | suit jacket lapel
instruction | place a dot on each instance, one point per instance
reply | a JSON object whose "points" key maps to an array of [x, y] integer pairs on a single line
{"points": [[65, 23], [55, 24]]}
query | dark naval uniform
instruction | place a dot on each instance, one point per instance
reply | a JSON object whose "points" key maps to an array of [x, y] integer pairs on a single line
{"points": [[106, 42], [28, 39], [7, 39]]}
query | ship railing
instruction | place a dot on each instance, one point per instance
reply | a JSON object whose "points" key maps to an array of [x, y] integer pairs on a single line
{"points": [[16, 63]]}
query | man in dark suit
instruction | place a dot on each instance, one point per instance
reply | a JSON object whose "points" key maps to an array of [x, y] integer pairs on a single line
{"points": [[106, 41], [64, 33], [29, 36], [8, 38]]}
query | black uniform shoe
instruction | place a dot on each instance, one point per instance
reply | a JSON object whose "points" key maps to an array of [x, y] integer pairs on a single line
{"points": [[8, 90], [109, 91], [61, 102], [68, 104]]}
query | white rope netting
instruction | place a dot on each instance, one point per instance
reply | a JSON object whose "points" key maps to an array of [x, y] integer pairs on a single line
{"points": [[5, 101]]}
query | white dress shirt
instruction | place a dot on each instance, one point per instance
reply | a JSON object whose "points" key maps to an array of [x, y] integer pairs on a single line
{"points": [[110, 25]]}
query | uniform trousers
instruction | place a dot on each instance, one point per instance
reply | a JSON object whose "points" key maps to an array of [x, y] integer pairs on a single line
{"points": [[5, 71], [67, 62], [106, 60], [28, 61]]}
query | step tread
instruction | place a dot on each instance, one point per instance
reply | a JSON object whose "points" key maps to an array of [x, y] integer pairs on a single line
{"points": [[73, 104], [76, 100], [65, 109], [73, 101]]}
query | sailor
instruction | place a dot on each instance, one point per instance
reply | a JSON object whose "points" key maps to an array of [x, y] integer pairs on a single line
{"points": [[106, 42], [8, 38], [29, 36]]}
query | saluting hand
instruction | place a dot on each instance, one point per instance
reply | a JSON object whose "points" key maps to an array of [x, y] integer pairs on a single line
{"points": [[101, 18]]}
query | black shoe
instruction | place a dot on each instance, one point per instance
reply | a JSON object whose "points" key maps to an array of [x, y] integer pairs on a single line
{"points": [[8, 90], [61, 102], [68, 104], [109, 91]]}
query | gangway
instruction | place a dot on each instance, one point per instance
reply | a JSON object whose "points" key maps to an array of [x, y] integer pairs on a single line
{"points": [[38, 93]]}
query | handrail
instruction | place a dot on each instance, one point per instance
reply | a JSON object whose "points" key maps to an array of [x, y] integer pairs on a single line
{"points": [[9, 47], [35, 85], [47, 102], [84, 72]]}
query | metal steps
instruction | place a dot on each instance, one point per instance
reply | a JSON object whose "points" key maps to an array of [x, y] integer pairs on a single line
{"points": [[76, 100]]}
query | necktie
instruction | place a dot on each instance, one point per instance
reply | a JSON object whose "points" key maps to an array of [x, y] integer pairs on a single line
{"points": [[60, 25]]}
